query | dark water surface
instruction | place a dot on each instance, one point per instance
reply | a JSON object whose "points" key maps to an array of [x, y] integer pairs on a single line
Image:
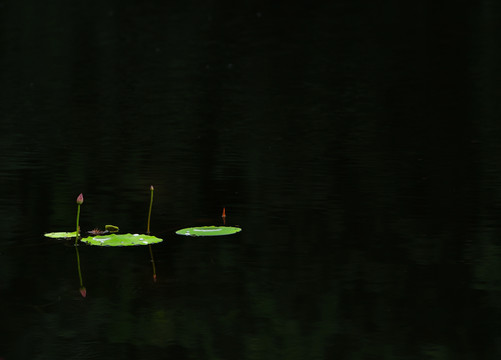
{"points": [[357, 146]]}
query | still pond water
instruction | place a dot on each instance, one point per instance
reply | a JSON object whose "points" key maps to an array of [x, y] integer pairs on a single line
{"points": [[357, 147]]}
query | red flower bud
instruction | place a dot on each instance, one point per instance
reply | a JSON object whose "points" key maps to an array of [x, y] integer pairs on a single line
{"points": [[83, 291], [80, 199]]}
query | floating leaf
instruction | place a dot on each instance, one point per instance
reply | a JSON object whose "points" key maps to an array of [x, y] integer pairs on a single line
{"points": [[209, 231], [61, 234], [121, 240], [111, 228]]}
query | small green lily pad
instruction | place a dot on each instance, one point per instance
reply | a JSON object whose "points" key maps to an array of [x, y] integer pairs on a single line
{"points": [[209, 231], [111, 228], [121, 240], [61, 234]]}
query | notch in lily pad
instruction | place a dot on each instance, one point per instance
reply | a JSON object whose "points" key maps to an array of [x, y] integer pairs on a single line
{"points": [[121, 240]]}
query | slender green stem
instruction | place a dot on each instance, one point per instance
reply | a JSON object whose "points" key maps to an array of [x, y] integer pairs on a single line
{"points": [[149, 213], [148, 232], [78, 226]]}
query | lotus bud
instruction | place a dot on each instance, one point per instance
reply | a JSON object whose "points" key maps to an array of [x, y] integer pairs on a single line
{"points": [[80, 199], [83, 291]]}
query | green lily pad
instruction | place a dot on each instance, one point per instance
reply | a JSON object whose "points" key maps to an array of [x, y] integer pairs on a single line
{"points": [[112, 228], [121, 240], [209, 231], [61, 234]]}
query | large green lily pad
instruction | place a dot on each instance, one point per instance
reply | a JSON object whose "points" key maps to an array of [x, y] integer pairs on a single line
{"points": [[209, 231], [61, 234], [121, 240]]}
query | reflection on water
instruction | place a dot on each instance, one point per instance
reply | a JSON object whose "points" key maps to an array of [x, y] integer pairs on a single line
{"points": [[83, 290], [357, 148]]}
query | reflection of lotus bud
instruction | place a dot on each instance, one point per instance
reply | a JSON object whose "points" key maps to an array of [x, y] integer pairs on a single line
{"points": [[80, 199], [83, 291]]}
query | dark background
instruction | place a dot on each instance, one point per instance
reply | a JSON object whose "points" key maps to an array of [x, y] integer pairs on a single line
{"points": [[356, 144]]}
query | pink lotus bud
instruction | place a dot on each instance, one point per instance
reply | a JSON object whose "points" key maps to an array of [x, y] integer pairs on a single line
{"points": [[80, 199], [83, 291], [152, 188]]}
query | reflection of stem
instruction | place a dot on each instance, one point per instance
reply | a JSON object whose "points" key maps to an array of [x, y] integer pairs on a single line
{"points": [[83, 291], [78, 227], [153, 264]]}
